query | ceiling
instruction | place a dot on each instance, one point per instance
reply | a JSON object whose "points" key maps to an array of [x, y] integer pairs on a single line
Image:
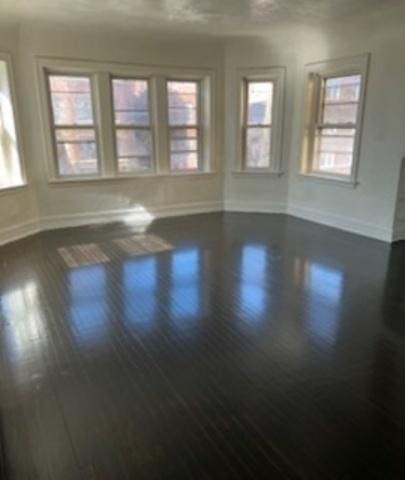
{"points": [[203, 16]]}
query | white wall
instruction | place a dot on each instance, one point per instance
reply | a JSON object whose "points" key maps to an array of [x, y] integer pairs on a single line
{"points": [[369, 208], [18, 206]]}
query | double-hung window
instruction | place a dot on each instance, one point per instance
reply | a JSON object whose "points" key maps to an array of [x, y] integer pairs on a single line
{"points": [[11, 170], [133, 133], [74, 131], [335, 109], [184, 120], [107, 120], [261, 119], [257, 125]]}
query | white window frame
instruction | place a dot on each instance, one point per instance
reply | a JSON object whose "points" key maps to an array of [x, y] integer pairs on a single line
{"points": [[102, 73], [201, 114], [54, 127], [7, 59], [277, 76], [316, 74], [150, 127]]}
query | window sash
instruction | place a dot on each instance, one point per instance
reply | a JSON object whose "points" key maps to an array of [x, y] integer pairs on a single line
{"points": [[319, 125], [198, 127], [87, 126], [133, 126], [246, 125]]}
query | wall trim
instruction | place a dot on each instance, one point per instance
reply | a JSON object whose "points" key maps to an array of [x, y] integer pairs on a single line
{"points": [[137, 215], [255, 207], [19, 231], [347, 224]]}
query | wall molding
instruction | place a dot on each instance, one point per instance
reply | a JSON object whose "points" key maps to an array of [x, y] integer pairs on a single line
{"points": [[140, 216], [19, 231], [347, 224], [137, 215], [254, 207]]}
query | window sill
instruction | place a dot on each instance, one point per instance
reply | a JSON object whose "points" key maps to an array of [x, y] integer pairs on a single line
{"points": [[12, 189], [326, 179], [243, 173], [119, 178]]}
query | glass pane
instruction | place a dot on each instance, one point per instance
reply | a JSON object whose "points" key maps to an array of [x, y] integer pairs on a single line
{"points": [[341, 99], [76, 151], [134, 148], [131, 102], [259, 101], [343, 89], [258, 142], [182, 100], [183, 139], [184, 161], [334, 151], [10, 165], [340, 113], [71, 100]]}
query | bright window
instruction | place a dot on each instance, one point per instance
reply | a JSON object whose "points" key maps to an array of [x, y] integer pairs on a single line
{"points": [[334, 112], [183, 98], [258, 123], [11, 172], [336, 129], [133, 134], [73, 125]]}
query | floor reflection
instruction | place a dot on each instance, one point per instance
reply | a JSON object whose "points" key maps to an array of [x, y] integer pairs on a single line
{"points": [[185, 291], [24, 328], [89, 306], [139, 292], [325, 288], [253, 283]]}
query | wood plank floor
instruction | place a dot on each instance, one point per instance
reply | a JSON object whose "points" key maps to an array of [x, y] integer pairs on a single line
{"points": [[259, 347]]}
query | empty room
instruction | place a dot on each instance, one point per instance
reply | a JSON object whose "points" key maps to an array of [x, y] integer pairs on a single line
{"points": [[202, 239]]}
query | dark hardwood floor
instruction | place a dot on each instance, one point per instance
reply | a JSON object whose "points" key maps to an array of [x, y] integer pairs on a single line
{"points": [[260, 347]]}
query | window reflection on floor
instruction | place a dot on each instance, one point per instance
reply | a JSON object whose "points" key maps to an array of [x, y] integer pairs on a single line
{"points": [[253, 287], [325, 288], [185, 301], [24, 330], [139, 292], [88, 308]]}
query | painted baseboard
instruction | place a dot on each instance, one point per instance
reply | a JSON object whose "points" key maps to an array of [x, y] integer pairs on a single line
{"points": [[137, 215], [19, 231], [343, 223], [254, 207], [399, 233]]}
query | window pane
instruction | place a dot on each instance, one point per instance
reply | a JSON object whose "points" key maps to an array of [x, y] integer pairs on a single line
{"points": [[343, 89], [334, 151], [134, 148], [341, 99], [259, 103], [184, 148], [343, 113], [76, 151], [258, 142], [182, 102], [71, 100], [10, 165], [131, 102], [184, 161]]}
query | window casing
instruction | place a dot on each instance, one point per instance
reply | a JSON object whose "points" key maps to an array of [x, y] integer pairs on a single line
{"points": [[73, 126], [261, 109], [11, 164], [184, 124], [134, 134], [334, 113]]}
